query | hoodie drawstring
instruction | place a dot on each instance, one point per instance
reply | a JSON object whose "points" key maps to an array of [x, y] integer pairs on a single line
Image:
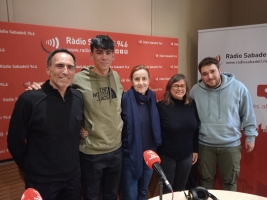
{"points": [[208, 102], [98, 88], [110, 94], [219, 103]]}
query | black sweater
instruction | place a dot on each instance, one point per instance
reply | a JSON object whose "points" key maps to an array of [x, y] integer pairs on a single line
{"points": [[179, 128], [43, 135]]}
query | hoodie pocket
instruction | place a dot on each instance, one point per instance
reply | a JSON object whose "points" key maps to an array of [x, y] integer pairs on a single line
{"points": [[218, 133]]}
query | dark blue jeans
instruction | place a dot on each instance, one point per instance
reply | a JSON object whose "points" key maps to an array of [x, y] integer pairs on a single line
{"points": [[133, 189], [101, 172], [69, 189], [177, 172]]}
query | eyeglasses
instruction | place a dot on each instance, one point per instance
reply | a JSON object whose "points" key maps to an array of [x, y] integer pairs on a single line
{"points": [[176, 87]]}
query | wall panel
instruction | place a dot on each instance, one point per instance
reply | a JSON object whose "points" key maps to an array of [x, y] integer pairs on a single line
{"points": [[3, 11], [114, 16]]}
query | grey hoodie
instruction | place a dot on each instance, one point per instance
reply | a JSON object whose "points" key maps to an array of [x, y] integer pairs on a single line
{"points": [[223, 111], [102, 110]]}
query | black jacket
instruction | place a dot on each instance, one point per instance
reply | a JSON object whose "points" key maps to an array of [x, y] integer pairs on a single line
{"points": [[43, 135]]}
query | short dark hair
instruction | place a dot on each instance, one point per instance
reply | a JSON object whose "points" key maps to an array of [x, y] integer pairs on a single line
{"points": [[102, 42], [60, 50], [207, 62], [167, 95]]}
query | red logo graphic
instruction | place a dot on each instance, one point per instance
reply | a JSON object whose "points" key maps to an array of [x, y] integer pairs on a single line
{"points": [[156, 79], [50, 44], [122, 80], [140, 42], [218, 58], [174, 67], [31, 193], [262, 91], [150, 158], [173, 44], [157, 56]]}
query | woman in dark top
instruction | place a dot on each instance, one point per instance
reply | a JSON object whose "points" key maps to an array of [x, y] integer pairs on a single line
{"points": [[180, 128], [141, 132]]}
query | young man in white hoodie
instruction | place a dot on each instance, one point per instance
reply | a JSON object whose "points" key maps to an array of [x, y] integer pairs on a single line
{"points": [[224, 106]]}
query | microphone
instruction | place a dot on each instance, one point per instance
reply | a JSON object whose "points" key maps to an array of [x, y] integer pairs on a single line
{"points": [[153, 162], [31, 194]]}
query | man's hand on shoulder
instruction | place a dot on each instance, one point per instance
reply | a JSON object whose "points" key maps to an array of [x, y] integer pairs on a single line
{"points": [[35, 86]]}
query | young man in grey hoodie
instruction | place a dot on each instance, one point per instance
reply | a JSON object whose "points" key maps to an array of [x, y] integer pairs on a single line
{"points": [[224, 106]]}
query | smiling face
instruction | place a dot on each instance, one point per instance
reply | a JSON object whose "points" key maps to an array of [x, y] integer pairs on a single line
{"points": [[210, 75], [102, 60], [61, 71], [140, 81], [178, 89]]}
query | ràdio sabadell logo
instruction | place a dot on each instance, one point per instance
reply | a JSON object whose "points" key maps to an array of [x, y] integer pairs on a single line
{"points": [[50, 44]]}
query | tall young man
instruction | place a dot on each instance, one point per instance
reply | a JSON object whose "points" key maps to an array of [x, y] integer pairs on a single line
{"points": [[224, 106], [100, 150]]}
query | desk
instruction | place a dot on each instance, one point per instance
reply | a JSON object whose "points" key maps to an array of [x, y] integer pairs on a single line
{"points": [[220, 194]]}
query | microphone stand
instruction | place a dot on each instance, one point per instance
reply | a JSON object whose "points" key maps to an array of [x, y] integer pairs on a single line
{"points": [[160, 188]]}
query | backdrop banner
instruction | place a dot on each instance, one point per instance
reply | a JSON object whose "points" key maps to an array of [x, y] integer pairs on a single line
{"points": [[243, 51], [24, 49]]}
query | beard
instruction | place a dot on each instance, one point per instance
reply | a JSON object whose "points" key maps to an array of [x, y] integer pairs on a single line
{"points": [[214, 84]]}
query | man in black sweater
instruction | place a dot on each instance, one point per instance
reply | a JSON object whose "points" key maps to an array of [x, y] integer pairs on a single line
{"points": [[44, 130]]}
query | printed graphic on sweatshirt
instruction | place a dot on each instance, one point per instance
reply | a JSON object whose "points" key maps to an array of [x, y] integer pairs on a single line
{"points": [[104, 94]]}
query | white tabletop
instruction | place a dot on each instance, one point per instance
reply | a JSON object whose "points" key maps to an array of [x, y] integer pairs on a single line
{"points": [[220, 194]]}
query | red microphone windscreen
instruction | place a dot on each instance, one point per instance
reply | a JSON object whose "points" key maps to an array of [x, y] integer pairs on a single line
{"points": [[31, 194], [150, 158]]}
